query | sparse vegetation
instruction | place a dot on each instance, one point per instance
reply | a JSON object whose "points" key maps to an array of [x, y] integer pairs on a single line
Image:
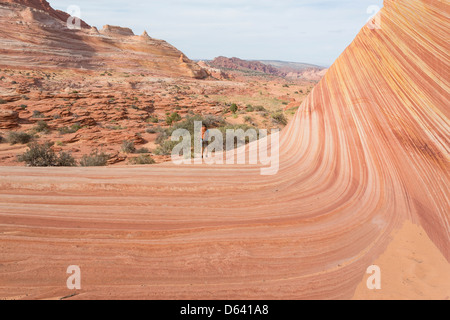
{"points": [[142, 150], [2, 101], [248, 119], [72, 129], [37, 114], [152, 130], [260, 109], [173, 117], [41, 126], [42, 155], [128, 146], [279, 118], [166, 145], [95, 159], [165, 148], [142, 159], [19, 138]]}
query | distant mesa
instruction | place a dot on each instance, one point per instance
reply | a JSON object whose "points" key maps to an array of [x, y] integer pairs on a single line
{"points": [[288, 70], [239, 64]]}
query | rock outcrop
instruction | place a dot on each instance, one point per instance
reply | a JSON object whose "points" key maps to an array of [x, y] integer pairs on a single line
{"points": [[367, 151], [117, 31], [9, 119], [288, 70], [33, 35], [44, 6]]}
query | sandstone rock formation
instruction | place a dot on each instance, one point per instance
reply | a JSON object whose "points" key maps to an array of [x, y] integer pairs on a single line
{"points": [[288, 70], [9, 119], [116, 30], [367, 150], [239, 64], [34, 35], [43, 5]]}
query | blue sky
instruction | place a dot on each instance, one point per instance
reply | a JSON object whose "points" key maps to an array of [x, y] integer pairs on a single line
{"points": [[310, 31]]}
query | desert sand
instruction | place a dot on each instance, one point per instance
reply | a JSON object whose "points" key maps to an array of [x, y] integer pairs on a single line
{"points": [[363, 180]]}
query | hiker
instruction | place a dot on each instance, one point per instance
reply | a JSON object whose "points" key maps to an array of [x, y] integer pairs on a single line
{"points": [[204, 141]]}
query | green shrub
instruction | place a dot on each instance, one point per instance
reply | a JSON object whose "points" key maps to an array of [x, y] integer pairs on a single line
{"points": [[165, 148], [19, 138], [142, 159], [234, 108], [174, 117], [213, 121], [41, 126], [153, 119], [128, 146], [42, 155], [279, 118], [250, 108], [260, 109], [143, 150], [244, 127], [95, 159], [65, 159], [72, 129], [38, 114]]}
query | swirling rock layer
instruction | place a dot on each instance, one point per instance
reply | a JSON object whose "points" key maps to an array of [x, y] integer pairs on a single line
{"points": [[366, 151]]}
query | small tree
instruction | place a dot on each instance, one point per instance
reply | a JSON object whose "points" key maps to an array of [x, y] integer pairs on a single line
{"points": [[234, 108]]}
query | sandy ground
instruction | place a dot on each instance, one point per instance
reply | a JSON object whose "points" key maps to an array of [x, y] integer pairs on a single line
{"points": [[412, 268]]}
